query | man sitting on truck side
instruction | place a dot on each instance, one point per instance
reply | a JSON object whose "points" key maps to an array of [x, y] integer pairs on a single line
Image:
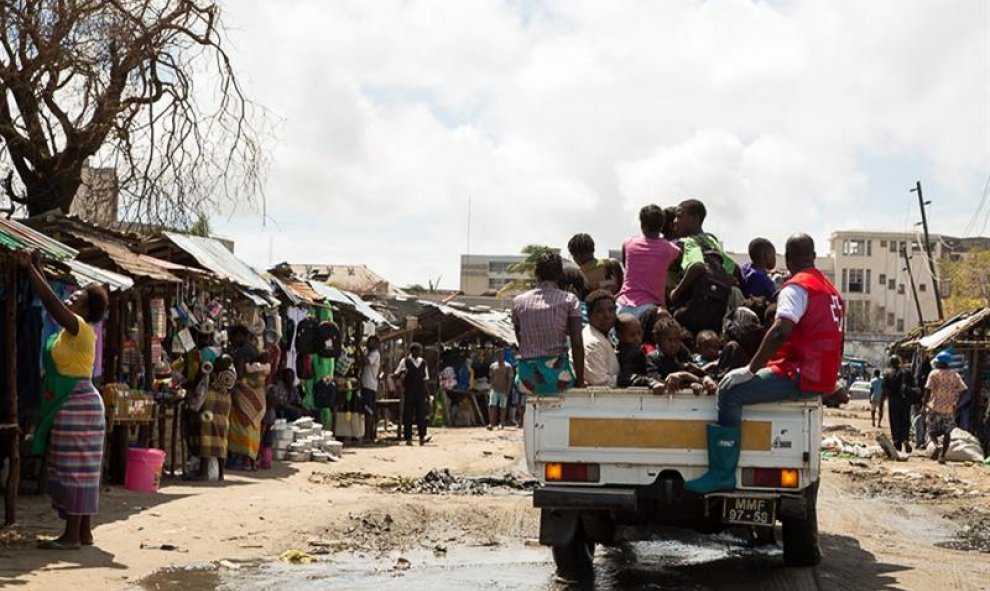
{"points": [[544, 318], [799, 358], [601, 366]]}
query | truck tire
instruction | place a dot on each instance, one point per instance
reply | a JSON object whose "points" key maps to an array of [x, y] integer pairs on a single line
{"points": [[800, 536], [575, 558]]}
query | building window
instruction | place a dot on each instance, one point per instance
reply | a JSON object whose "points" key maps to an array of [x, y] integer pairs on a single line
{"points": [[893, 246], [900, 289], [855, 247], [856, 281], [868, 281], [922, 287], [883, 278], [869, 248], [915, 246], [498, 268], [891, 284], [883, 244], [900, 325], [845, 280], [890, 319], [903, 245]]}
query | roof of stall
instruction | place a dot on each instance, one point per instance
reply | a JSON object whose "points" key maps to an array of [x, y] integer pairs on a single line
{"points": [[16, 236], [452, 323], [953, 329], [85, 274], [214, 256]]}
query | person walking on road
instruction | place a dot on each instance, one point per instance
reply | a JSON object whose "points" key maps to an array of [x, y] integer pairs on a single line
{"points": [[899, 390], [876, 399], [414, 374], [799, 358]]}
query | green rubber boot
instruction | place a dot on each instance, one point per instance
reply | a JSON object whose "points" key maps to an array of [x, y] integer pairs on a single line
{"points": [[723, 457]]}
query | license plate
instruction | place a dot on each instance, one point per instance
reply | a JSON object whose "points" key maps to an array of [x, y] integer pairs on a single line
{"points": [[748, 511]]}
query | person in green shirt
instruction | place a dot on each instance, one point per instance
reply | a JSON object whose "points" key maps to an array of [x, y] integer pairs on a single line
{"points": [[695, 241]]}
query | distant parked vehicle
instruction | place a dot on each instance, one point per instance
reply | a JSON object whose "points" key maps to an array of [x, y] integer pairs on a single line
{"points": [[860, 390], [837, 398]]}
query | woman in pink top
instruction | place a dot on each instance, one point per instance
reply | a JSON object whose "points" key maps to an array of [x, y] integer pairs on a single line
{"points": [[646, 260]]}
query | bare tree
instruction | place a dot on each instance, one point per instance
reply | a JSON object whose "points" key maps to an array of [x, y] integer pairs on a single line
{"points": [[113, 81]]}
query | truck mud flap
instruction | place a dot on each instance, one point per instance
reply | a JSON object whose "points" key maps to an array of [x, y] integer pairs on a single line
{"points": [[558, 526]]}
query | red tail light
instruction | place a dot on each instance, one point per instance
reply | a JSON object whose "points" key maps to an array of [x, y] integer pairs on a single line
{"points": [[571, 472], [770, 478]]}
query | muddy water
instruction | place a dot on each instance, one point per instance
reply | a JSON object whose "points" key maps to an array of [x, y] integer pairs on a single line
{"points": [[681, 561]]}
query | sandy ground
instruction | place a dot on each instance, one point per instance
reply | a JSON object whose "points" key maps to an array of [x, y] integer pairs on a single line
{"points": [[880, 520]]}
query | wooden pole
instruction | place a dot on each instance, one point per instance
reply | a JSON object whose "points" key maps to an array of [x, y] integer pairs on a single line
{"points": [[10, 342]]}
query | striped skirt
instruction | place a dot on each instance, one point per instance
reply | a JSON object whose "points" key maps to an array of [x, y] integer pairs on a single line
{"points": [[75, 453]]}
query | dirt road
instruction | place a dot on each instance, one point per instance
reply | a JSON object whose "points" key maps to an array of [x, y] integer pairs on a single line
{"points": [[370, 523]]}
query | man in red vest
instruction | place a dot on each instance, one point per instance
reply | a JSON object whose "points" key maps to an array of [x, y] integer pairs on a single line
{"points": [[799, 357]]}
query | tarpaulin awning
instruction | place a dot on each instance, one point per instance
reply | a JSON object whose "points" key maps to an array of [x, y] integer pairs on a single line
{"points": [[17, 236], [88, 274], [331, 294], [213, 255]]}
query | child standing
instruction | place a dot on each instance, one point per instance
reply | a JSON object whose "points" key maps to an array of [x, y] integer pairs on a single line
{"points": [[876, 399]]}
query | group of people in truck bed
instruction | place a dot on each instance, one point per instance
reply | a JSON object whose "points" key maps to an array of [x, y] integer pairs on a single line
{"points": [[675, 313]]}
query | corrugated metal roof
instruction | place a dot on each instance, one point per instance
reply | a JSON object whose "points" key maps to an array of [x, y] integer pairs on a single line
{"points": [[128, 260], [214, 256], [944, 335], [331, 294], [367, 311], [88, 274], [17, 236]]}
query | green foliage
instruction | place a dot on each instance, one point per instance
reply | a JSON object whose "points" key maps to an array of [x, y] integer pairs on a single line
{"points": [[527, 266], [968, 282]]}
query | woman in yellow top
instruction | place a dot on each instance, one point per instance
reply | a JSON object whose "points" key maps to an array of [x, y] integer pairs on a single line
{"points": [[71, 425]]}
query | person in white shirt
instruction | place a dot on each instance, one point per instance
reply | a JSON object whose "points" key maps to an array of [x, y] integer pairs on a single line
{"points": [[601, 366], [371, 371]]}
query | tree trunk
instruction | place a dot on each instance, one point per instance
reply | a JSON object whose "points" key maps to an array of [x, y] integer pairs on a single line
{"points": [[55, 189]]}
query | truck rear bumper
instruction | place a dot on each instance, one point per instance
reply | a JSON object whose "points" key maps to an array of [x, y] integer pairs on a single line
{"points": [[585, 497]]}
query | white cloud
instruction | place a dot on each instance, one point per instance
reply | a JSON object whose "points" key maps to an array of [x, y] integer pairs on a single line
{"points": [[564, 116]]}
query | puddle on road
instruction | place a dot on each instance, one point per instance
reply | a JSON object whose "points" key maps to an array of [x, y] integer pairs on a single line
{"points": [[672, 564]]}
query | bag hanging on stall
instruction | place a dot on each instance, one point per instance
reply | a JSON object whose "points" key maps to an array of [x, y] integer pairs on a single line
{"points": [[304, 367], [306, 336], [325, 394], [328, 339]]}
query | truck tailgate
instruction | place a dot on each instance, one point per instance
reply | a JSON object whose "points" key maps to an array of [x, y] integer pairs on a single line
{"points": [[634, 435]]}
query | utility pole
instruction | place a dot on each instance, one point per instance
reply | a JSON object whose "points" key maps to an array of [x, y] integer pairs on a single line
{"points": [[928, 249], [914, 290]]}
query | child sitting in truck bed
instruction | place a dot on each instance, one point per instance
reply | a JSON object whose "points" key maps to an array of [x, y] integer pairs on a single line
{"points": [[632, 360], [708, 347], [671, 363]]}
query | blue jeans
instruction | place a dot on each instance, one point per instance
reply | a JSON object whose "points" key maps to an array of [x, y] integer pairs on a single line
{"points": [[636, 311], [766, 386]]}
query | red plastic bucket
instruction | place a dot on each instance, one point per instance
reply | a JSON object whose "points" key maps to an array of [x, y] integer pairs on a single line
{"points": [[144, 469]]}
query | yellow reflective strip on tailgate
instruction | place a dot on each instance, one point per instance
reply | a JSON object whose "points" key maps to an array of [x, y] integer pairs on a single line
{"points": [[659, 433]]}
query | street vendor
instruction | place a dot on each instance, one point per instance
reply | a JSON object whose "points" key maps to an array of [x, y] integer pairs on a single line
{"points": [[71, 426], [799, 358]]}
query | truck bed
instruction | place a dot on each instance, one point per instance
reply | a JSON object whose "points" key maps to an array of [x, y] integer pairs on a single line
{"points": [[634, 436]]}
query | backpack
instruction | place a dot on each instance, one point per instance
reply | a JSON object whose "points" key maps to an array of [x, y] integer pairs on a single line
{"points": [[306, 336], [328, 340], [325, 394], [709, 299]]}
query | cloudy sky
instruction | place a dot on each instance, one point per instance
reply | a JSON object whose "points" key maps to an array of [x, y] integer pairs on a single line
{"points": [[556, 117]]}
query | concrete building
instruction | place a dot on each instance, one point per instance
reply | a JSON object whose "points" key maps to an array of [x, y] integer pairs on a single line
{"points": [[486, 274]]}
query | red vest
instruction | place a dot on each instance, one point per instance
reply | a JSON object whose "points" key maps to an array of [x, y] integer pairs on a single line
{"points": [[814, 347]]}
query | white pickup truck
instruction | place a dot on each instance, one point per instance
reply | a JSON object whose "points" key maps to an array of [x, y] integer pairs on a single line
{"points": [[612, 465]]}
